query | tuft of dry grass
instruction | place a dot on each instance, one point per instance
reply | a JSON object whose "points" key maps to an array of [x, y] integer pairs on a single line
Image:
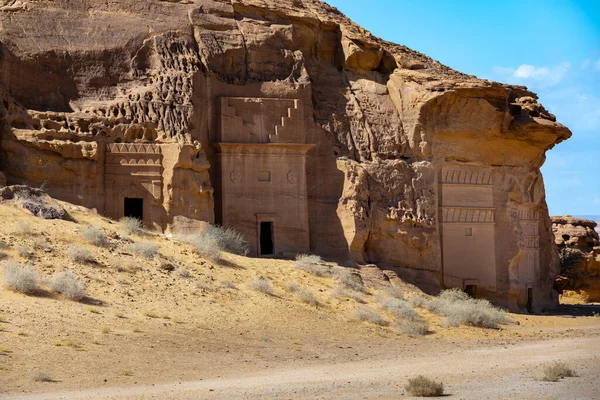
{"points": [[366, 313], [131, 226], [24, 252], [311, 264], [105, 330], [146, 250], [228, 285], [22, 279], [42, 376], [24, 229], [394, 292], [351, 280], [292, 287], [461, 309], [95, 236], [307, 297], [421, 386], [126, 372], [94, 310], [74, 344], [150, 314], [69, 285], [262, 285], [80, 254], [556, 371]]}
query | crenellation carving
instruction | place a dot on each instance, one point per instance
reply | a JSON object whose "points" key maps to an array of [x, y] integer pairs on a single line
{"points": [[470, 215], [467, 176]]}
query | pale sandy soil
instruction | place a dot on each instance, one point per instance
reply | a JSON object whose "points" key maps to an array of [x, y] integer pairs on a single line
{"points": [[145, 333]]}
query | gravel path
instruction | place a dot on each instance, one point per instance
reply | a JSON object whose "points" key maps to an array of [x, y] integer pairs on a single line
{"points": [[498, 372]]}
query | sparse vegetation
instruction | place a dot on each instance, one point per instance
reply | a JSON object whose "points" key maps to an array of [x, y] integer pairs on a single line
{"points": [[105, 329], [394, 292], [20, 278], [95, 236], [400, 308], [146, 250], [366, 313], [131, 226], [24, 252], [94, 310], [68, 284], [42, 376], [262, 285], [340, 291], [460, 309], [215, 239], [228, 240], [413, 327], [40, 243], [3, 349], [556, 371], [307, 297], [150, 314], [421, 386], [292, 287], [311, 264], [183, 272], [126, 372], [228, 285], [74, 344], [80, 254], [23, 228], [351, 280]]}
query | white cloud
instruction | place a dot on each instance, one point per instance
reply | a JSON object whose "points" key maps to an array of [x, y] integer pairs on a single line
{"points": [[535, 76], [547, 76]]}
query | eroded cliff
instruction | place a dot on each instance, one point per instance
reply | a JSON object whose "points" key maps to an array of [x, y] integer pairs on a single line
{"points": [[416, 167]]}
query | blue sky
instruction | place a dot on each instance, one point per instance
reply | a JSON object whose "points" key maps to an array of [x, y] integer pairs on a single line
{"points": [[552, 47]]}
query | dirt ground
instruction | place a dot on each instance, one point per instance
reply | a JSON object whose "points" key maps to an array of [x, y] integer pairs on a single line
{"points": [[147, 333]]}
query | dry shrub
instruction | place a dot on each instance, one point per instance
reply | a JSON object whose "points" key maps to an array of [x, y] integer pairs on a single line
{"points": [[311, 264], [340, 291], [131, 226], [24, 252], [460, 309], [421, 386], [400, 308], [413, 327], [556, 371], [292, 287], [366, 313], [262, 285], [206, 246], [23, 228], [42, 376], [183, 272], [307, 297], [69, 285], [80, 254], [95, 236], [228, 285], [394, 292], [20, 278], [146, 250], [228, 240], [351, 280]]}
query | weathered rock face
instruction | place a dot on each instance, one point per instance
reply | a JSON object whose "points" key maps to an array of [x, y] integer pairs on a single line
{"points": [[416, 167], [579, 249]]}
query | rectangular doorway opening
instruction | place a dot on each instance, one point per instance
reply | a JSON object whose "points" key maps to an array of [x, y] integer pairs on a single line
{"points": [[266, 239], [529, 300], [134, 208], [471, 290]]}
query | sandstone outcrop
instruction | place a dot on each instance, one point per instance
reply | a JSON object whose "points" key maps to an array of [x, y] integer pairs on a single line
{"points": [[579, 248], [287, 122]]}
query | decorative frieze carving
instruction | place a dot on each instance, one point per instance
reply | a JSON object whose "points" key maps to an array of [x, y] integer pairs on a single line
{"points": [[470, 215]]}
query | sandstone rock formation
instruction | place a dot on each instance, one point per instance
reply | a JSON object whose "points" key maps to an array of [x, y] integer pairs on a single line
{"points": [[579, 248], [202, 111]]}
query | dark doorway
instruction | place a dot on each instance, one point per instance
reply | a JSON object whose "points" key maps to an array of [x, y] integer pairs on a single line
{"points": [[471, 290], [529, 300], [266, 239], [134, 208]]}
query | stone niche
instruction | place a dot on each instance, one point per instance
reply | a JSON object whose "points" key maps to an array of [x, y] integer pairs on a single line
{"points": [[133, 182], [261, 185], [468, 228]]}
